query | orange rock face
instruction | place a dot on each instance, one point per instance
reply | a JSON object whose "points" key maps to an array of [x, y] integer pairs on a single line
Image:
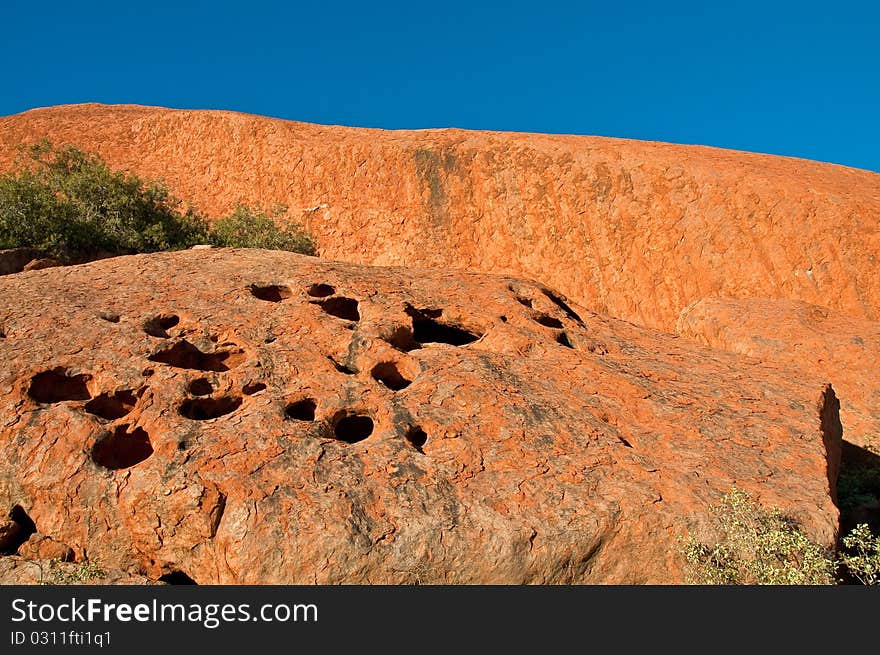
{"points": [[631, 229], [262, 417], [807, 337], [193, 408]]}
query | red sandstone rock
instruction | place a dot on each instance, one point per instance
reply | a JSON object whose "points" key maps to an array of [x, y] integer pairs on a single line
{"points": [[635, 230], [814, 340], [42, 547], [262, 417], [42, 262]]}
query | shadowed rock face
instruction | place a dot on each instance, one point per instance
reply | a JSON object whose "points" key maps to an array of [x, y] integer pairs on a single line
{"points": [[399, 426], [635, 230]]}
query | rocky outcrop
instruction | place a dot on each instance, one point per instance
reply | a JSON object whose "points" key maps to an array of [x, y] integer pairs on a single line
{"points": [[812, 340], [19, 570], [15, 260], [635, 230], [261, 417]]}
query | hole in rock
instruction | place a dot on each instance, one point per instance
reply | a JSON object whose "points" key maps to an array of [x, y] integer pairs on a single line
{"points": [[201, 387], [427, 330], [352, 428], [158, 326], [110, 317], [417, 437], [270, 292], [58, 385], [388, 374], [548, 321], [24, 527], [147, 372], [524, 301], [122, 449], [342, 368], [559, 302], [344, 308], [301, 410], [624, 442], [111, 406], [503, 319], [563, 340], [402, 339], [320, 290], [252, 387], [183, 354], [204, 409], [177, 578]]}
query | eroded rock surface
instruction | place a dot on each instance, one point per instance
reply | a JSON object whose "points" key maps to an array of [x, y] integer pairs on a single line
{"points": [[813, 340], [19, 570], [635, 230], [260, 417]]}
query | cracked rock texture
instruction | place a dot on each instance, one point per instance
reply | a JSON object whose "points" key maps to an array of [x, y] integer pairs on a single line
{"points": [[819, 341], [235, 416], [635, 230]]}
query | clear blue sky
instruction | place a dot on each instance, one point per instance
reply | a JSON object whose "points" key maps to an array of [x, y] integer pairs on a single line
{"points": [[794, 78]]}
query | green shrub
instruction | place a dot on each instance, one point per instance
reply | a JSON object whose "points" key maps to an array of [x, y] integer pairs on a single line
{"points": [[762, 546], [861, 556], [759, 547], [70, 205], [62, 573], [249, 227]]}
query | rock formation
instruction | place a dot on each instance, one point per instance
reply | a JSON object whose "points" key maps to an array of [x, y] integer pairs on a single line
{"points": [[18, 570], [824, 343], [229, 416], [634, 230], [232, 416]]}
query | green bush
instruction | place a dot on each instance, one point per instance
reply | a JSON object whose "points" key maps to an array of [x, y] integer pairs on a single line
{"points": [[759, 547], [70, 205], [249, 227], [861, 556], [63, 573]]}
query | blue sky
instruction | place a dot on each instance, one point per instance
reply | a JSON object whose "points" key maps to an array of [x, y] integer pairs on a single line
{"points": [[793, 78]]}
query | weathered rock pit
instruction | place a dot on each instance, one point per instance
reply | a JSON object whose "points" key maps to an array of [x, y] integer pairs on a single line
{"points": [[262, 417]]}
